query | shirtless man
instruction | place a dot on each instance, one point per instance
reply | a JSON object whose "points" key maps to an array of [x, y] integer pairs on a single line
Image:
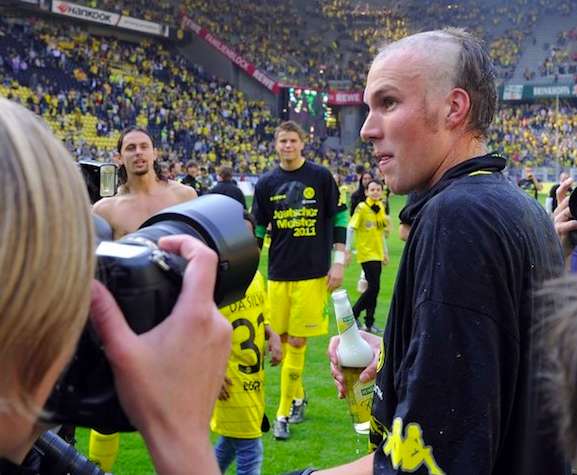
{"points": [[144, 193]]}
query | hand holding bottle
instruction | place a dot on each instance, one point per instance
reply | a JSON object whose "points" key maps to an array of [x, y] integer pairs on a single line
{"points": [[369, 372], [353, 355]]}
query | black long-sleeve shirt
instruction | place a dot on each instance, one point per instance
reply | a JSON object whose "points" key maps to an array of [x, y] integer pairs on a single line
{"points": [[458, 389]]}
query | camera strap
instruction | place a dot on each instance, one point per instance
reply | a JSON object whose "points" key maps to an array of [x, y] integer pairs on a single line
{"points": [[8, 468]]}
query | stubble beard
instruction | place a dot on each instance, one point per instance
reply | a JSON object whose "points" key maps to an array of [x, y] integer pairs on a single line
{"points": [[141, 172]]}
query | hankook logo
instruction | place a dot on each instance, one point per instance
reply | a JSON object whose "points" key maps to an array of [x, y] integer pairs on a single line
{"points": [[78, 11]]}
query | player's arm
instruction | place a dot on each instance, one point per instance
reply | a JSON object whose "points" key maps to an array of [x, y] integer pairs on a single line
{"points": [[537, 183], [385, 250], [274, 345], [362, 466], [337, 270], [105, 208], [260, 233], [350, 230], [259, 215], [387, 226], [350, 239]]}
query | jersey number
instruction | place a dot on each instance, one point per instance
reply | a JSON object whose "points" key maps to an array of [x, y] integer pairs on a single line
{"points": [[249, 344]]}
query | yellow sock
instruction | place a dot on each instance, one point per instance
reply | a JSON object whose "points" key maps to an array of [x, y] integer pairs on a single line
{"points": [[300, 392], [103, 449], [290, 379]]}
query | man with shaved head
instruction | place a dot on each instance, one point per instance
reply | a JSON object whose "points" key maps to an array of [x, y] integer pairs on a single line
{"points": [[457, 376]]}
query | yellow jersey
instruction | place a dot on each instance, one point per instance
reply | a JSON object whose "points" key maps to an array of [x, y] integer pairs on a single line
{"points": [[241, 415], [370, 230]]}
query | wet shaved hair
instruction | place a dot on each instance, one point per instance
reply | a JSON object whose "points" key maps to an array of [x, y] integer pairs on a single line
{"points": [[469, 68]]}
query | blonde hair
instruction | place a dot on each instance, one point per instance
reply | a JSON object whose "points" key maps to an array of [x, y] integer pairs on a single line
{"points": [[46, 251], [560, 344]]}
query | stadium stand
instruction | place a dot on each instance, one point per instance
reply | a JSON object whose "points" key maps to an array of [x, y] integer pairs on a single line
{"points": [[536, 134], [164, 11], [88, 87], [69, 77]]}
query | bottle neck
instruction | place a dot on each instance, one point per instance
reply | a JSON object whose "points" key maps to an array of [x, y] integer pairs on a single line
{"points": [[351, 335], [345, 321]]}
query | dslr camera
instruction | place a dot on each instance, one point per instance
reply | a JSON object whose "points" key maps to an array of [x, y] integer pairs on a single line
{"points": [[146, 282]]}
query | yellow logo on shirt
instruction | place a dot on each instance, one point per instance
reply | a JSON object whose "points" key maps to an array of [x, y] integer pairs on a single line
{"points": [[309, 193], [278, 197], [381, 356], [409, 453]]}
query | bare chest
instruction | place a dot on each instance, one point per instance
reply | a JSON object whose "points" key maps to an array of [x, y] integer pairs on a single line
{"points": [[131, 212]]}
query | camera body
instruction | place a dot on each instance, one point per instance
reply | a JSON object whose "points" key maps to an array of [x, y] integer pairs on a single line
{"points": [[146, 282]]}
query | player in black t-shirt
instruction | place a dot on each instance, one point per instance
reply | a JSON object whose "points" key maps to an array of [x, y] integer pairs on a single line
{"points": [[459, 378], [300, 201]]}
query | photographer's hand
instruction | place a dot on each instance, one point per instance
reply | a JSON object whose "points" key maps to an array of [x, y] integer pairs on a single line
{"points": [[564, 222], [168, 378]]}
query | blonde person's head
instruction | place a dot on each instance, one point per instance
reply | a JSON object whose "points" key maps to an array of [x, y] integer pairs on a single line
{"points": [[46, 255]]}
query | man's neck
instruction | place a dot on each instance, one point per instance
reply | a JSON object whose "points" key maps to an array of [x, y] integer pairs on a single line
{"points": [[142, 183], [461, 151], [291, 165]]}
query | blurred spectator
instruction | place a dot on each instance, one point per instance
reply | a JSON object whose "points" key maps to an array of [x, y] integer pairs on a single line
{"points": [[190, 178], [227, 186], [205, 180], [529, 183]]}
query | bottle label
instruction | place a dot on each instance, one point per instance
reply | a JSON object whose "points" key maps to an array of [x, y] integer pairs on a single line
{"points": [[344, 323], [359, 395]]}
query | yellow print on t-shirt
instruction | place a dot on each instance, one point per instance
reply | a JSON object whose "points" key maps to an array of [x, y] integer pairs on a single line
{"points": [[302, 221], [409, 453]]}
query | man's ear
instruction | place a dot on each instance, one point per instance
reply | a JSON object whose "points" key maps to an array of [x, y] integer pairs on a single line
{"points": [[459, 107], [116, 159]]}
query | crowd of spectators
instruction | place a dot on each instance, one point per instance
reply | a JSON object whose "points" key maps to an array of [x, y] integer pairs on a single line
{"points": [[503, 26], [362, 27], [562, 56], [89, 87], [325, 43], [275, 36], [161, 11], [536, 134]]}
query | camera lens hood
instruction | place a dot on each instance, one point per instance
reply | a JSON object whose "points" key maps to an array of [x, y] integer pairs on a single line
{"points": [[218, 220]]}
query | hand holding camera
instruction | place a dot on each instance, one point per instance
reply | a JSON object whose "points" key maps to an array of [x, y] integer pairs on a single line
{"points": [[153, 370], [564, 216], [148, 274]]}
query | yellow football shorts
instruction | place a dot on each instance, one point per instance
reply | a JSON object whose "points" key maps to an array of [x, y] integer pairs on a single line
{"points": [[299, 307]]}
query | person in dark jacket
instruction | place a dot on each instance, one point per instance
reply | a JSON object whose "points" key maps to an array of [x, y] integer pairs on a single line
{"points": [[191, 178], [227, 186], [459, 379]]}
